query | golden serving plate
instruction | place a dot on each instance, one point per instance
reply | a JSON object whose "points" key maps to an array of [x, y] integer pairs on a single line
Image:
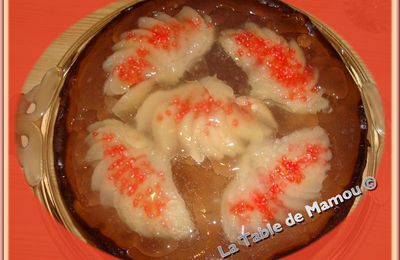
{"points": [[39, 106]]}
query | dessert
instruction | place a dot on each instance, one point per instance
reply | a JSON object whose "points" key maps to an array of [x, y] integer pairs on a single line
{"points": [[161, 49], [136, 181], [277, 69], [184, 124], [204, 119], [275, 178]]}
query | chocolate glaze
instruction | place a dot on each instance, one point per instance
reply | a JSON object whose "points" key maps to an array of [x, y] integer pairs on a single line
{"points": [[82, 103]]}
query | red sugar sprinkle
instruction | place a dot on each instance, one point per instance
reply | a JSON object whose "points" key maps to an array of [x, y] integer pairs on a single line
{"points": [[315, 89], [261, 201], [142, 52], [235, 122], [149, 191], [153, 201], [132, 70], [108, 137], [166, 36], [240, 208], [205, 106], [114, 150], [274, 191], [228, 109], [129, 173], [182, 108], [292, 170], [194, 22], [286, 171], [312, 154], [280, 62]]}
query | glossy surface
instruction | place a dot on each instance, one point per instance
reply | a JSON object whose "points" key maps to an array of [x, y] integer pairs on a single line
{"points": [[202, 197]]}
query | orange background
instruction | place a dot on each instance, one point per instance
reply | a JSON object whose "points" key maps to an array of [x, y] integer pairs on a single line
{"points": [[365, 24]]}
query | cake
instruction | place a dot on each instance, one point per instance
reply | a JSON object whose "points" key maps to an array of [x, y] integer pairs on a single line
{"points": [[185, 124]]}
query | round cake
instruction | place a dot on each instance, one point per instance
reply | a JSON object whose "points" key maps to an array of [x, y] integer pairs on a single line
{"points": [[188, 127]]}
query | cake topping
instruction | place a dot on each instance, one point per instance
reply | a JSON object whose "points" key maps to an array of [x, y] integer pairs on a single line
{"points": [[132, 70], [276, 69], [280, 60], [136, 181], [162, 49], [274, 177], [204, 119]]}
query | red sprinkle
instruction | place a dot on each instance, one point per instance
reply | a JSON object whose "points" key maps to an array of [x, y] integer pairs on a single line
{"points": [[291, 170], [129, 173], [312, 154], [228, 109], [314, 89], [132, 70], [279, 61], [153, 201], [240, 209], [262, 203], [108, 137], [206, 106], [195, 22], [115, 150], [166, 36], [286, 171], [235, 122]]}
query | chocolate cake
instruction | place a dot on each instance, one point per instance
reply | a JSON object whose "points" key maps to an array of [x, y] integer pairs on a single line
{"points": [[184, 124]]}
